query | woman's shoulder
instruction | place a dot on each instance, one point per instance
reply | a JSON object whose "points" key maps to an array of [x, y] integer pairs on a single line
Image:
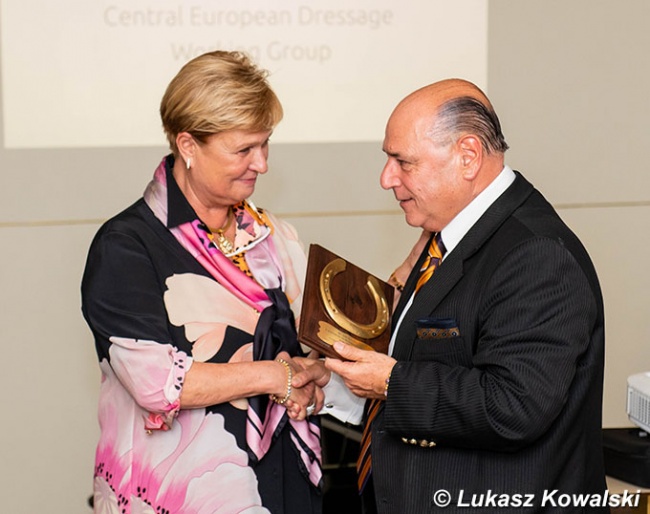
{"points": [[130, 220], [136, 223]]}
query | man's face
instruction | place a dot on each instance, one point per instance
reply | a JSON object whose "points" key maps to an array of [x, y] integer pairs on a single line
{"points": [[424, 176]]}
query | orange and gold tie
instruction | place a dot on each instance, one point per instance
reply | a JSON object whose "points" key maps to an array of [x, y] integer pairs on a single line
{"points": [[434, 256], [364, 463]]}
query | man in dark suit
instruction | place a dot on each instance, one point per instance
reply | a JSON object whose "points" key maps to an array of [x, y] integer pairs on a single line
{"points": [[490, 396]]}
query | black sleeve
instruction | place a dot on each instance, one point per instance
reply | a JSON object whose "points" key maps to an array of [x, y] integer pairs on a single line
{"points": [[122, 292]]}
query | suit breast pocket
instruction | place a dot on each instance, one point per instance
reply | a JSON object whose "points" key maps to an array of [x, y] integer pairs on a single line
{"points": [[440, 340]]}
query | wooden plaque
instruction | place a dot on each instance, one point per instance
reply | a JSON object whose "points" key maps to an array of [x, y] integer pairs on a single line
{"points": [[342, 302]]}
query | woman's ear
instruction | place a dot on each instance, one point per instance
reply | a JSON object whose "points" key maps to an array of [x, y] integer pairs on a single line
{"points": [[186, 147], [471, 155]]}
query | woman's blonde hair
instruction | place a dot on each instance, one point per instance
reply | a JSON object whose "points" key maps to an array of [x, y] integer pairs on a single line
{"points": [[218, 91]]}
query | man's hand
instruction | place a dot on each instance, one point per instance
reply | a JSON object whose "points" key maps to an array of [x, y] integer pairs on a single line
{"points": [[364, 372], [313, 371]]}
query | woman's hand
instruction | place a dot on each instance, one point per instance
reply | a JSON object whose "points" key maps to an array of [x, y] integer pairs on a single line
{"points": [[304, 399], [313, 371]]}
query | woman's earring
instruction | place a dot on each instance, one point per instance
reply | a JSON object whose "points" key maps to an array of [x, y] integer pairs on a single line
{"points": [[188, 163]]}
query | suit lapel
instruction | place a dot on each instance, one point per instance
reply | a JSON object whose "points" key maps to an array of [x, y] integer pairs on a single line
{"points": [[450, 271]]}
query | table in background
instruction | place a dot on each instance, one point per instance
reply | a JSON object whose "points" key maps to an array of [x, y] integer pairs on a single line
{"points": [[616, 486]]}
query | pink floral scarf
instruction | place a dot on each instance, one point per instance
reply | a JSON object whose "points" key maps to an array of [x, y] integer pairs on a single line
{"points": [[276, 326]]}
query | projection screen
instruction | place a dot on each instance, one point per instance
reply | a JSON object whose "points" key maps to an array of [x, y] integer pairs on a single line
{"points": [[80, 74]]}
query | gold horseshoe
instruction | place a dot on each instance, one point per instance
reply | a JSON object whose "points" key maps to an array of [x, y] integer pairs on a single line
{"points": [[370, 331]]}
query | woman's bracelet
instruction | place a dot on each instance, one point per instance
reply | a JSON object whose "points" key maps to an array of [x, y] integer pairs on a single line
{"points": [[282, 401], [395, 282]]}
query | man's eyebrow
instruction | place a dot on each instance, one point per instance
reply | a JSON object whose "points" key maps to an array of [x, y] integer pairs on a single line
{"points": [[398, 156]]}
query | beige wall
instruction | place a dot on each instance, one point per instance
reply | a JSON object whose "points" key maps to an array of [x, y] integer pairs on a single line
{"points": [[570, 81]]}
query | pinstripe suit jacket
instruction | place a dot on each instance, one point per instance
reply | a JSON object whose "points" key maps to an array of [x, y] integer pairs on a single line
{"points": [[513, 401]]}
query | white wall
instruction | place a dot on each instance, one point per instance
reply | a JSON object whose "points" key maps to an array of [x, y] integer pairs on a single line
{"points": [[570, 82]]}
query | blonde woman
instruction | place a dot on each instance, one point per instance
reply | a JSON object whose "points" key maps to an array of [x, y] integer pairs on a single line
{"points": [[192, 295]]}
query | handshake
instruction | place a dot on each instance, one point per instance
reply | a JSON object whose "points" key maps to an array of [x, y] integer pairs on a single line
{"points": [[365, 373]]}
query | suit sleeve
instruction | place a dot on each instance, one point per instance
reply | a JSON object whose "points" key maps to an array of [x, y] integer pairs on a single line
{"points": [[536, 315]]}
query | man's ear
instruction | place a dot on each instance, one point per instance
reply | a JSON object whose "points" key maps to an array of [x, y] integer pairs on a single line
{"points": [[186, 147], [471, 155]]}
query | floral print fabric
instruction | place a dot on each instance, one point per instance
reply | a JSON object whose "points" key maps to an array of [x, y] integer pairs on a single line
{"points": [[152, 317]]}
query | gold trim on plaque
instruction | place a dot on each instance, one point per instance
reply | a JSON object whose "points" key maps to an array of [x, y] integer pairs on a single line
{"points": [[374, 329], [329, 334]]}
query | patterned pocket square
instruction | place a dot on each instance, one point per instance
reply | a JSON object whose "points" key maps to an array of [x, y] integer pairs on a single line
{"points": [[437, 328]]}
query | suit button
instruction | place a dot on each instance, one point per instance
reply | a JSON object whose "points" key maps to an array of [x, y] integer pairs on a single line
{"points": [[423, 443]]}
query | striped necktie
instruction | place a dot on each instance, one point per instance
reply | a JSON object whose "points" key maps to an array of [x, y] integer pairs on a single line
{"points": [[434, 255], [364, 463]]}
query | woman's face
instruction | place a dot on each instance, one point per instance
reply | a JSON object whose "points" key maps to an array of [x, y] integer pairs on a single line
{"points": [[224, 169]]}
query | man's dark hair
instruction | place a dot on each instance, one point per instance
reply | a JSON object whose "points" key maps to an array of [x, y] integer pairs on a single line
{"points": [[467, 115]]}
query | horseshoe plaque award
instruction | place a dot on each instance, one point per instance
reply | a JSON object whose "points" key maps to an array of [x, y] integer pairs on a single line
{"points": [[344, 303]]}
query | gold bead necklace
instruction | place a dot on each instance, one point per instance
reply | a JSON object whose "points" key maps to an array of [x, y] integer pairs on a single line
{"points": [[225, 245]]}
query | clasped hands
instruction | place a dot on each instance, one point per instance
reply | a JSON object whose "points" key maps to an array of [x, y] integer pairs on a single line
{"points": [[363, 372]]}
